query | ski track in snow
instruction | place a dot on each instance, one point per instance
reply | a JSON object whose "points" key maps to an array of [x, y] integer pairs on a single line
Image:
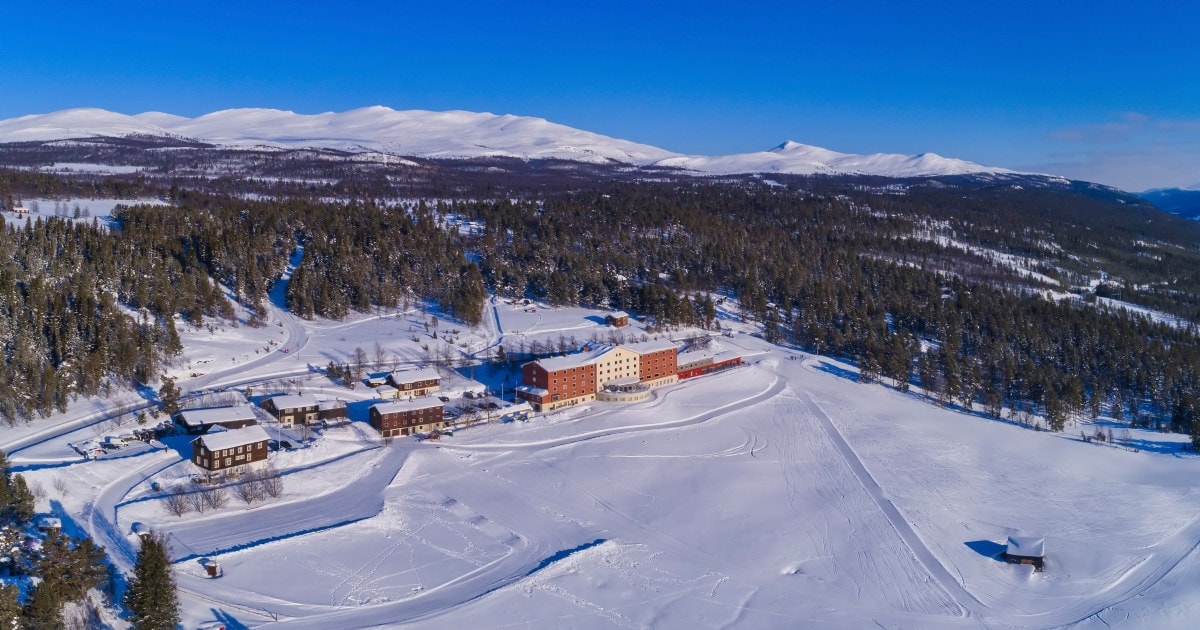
{"points": [[967, 602], [1165, 557]]}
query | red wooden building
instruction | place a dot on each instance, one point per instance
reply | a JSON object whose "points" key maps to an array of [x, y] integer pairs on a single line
{"points": [[703, 362]]}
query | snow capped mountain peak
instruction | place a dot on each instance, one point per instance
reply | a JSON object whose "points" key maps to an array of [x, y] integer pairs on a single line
{"points": [[458, 134]]}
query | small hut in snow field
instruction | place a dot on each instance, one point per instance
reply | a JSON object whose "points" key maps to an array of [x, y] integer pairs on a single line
{"points": [[617, 319], [1026, 550]]}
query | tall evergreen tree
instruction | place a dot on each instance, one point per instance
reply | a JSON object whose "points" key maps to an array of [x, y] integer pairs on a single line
{"points": [[168, 395], [20, 500], [11, 617], [43, 611], [151, 598]]}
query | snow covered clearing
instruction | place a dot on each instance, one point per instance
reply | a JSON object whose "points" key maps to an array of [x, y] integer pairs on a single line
{"points": [[779, 494]]}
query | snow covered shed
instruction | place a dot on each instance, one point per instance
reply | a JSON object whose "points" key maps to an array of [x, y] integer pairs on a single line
{"points": [[1026, 550], [617, 319]]}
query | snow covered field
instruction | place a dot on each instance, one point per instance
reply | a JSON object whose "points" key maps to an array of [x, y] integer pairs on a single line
{"points": [[779, 494]]}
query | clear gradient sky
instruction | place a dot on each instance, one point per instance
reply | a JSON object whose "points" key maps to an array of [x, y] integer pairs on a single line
{"points": [[1102, 91]]}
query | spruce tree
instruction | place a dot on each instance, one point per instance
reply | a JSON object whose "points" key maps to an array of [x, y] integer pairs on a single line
{"points": [[21, 500], [5, 486], [44, 609], [151, 598], [10, 608], [168, 395]]}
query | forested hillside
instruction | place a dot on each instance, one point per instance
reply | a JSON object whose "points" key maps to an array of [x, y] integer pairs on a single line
{"points": [[915, 280]]}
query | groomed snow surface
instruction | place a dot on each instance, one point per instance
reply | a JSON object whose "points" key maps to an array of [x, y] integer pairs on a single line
{"points": [[781, 494]]}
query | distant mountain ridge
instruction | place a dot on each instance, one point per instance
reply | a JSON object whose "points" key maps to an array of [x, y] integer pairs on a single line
{"points": [[1182, 201], [459, 134]]}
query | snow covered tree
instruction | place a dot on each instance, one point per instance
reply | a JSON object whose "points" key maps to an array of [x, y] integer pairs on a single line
{"points": [[151, 598]]}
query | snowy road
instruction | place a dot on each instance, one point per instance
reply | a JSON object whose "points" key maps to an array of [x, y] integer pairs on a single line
{"points": [[297, 338]]}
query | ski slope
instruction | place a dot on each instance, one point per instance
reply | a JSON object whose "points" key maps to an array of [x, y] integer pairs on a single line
{"points": [[779, 494]]}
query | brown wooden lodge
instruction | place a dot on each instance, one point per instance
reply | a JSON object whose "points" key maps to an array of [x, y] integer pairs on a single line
{"points": [[411, 383], [407, 417], [230, 449]]}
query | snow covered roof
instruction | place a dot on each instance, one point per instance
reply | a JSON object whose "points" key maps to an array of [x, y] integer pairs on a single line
{"points": [[413, 376], [646, 347], [536, 391], [406, 405], [553, 364], [705, 357], [214, 415], [233, 438], [291, 401], [325, 405], [1026, 546]]}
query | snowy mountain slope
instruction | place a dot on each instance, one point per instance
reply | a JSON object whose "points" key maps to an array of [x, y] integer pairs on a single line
{"points": [[796, 158], [459, 134], [80, 123], [454, 134]]}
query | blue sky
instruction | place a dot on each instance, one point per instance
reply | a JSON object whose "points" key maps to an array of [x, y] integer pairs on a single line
{"points": [[1108, 92]]}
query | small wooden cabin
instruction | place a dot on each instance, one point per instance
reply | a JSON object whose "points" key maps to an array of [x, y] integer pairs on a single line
{"points": [[617, 319], [1026, 550]]}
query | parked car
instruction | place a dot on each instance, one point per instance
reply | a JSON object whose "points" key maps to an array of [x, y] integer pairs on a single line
{"points": [[286, 445]]}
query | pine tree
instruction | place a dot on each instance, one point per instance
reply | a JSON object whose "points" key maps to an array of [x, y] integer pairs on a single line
{"points": [[169, 394], [44, 609], [5, 486], [21, 500], [151, 598], [10, 608]]}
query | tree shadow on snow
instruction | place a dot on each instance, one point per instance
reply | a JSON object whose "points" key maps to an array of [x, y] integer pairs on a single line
{"points": [[227, 620], [986, 548], [840, 372]]}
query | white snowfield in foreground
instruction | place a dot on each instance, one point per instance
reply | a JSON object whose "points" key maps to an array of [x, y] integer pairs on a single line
{"points": [[782, 494], [459, 134]]}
